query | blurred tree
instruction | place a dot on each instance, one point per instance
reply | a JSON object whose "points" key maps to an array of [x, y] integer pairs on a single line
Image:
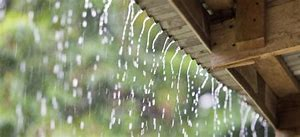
{"points": [[69, 68]]}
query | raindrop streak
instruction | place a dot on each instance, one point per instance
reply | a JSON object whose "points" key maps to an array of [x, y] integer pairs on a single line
{"points": [[163, 49], [245, 109], [130, 8], [132, 23], [155, 38], [131, 34], [146, 91], [255, 117], [172, 67], [164, 59], [188, 76], [103, 20], [141, 34], [179, 72], [148, 36]]}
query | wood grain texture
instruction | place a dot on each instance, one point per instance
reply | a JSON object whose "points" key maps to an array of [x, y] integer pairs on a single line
{"points": [[250, 20], [276, 74], [192, 12], [288, 113], [282, 36], [219, 4], [265, 106]]}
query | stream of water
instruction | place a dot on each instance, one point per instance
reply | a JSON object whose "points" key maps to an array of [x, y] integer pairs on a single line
{"points": [[132, 80]]}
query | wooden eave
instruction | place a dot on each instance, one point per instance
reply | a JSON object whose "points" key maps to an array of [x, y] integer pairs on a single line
{"points": [[243, 50]]}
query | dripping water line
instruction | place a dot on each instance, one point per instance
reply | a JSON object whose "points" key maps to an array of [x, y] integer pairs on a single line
{"points": [[206, 78], [188, 76], [254, 121], [164, 59], [141, 34], [172, 59], [132, 23], [136, 16], [165, 43], [127, 20], [156, 37], [148, 36], [179, 72]]}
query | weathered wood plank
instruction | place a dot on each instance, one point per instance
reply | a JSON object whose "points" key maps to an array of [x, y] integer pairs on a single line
{"points": [[282, 36], [258, 101], [289, 112], [222, 36], [250, 23], [284, 133], [250, 75], [179, 30], [184, 35], [190, 41], [193, 49], [271, 101], [150, 3], [165, 16], [160, 9], [219, 4], [204, 60], [220, 73], [276, 74], [172, 23], [200, 54], [195, 16]]}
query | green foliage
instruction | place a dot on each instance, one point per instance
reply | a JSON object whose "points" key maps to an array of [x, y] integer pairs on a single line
{"points": [[39, 64]]}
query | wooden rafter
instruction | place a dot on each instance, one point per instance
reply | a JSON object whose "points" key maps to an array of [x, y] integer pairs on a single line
{"points": [[262, 97], [195, 16], [282, 37], [250, 24], [288, 111], [243, 51], [249, 46], [276, 74]]}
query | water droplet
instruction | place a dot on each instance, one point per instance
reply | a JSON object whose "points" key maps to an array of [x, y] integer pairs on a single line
{"points": [[43, 107], [52, 124], [81, 125], [84, 24], [75, 82], [70, 119]]}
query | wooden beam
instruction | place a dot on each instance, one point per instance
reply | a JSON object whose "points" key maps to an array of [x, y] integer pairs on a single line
{"points": [[250, 24], [288, 113], [219, 4], [251, 76], [277, 75], [282, 36], [150, 3], [284, 133], [264, 100], [195, 16]]}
